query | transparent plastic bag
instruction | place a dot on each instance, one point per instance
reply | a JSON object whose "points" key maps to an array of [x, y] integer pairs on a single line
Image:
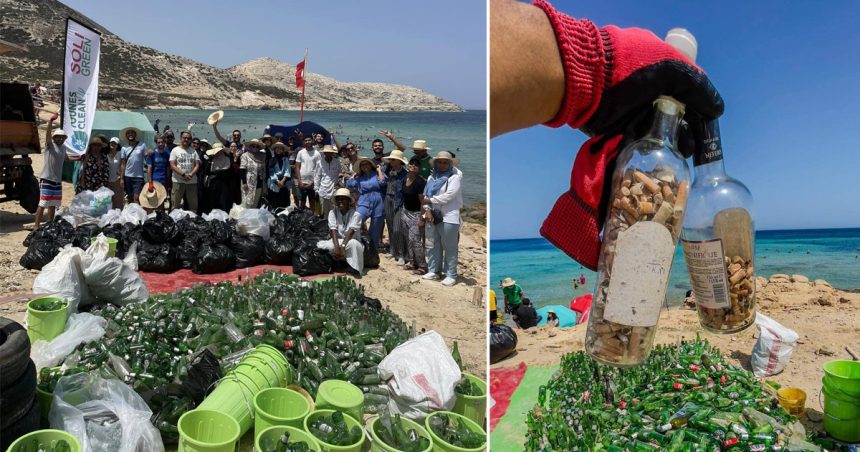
{"points": [[111, 280], [80, 328], [103, 415], [64, 277], [216, 214], [178, 214], [111, 217], [132, 213], [256, 222], [92, 203]]}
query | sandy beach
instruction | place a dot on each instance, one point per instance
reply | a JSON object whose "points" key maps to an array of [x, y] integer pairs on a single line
{"points": [[826, 320], [448, 310]]}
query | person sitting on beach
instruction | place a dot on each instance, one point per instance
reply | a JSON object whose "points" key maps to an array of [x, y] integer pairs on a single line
{"points": [[158, 164], [370, 184], [115, 184], [132, 156], [307, 161], [419, 148], [525, 316], [185, 164], [512, 293], [279, 179], [326, 179], [252, 173], [51, 177], [443, 199], [95, 165], [345, 226], [551, 318]]}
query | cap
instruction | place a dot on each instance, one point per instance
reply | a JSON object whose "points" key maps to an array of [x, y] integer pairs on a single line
{"points": [[684, 41]]}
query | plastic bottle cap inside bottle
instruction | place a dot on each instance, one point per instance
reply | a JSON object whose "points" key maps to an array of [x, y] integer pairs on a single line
{"points": [[669, 105]]}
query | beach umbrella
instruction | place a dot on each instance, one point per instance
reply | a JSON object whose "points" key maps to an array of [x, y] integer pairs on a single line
{"points": [[308, 128], [566, 317], [582, 305]]}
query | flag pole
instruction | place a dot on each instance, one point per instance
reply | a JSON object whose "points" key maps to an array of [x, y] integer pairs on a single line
{"points": [[304, 82]]}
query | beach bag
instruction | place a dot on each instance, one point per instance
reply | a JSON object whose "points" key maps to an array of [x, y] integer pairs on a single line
{"points": [[774, 346], [309, 260], [503, 342], [249, 250], [214, 258]]}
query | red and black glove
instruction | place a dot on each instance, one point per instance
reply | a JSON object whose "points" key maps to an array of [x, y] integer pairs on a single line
{"points": [[151, 187], [612, 77]]}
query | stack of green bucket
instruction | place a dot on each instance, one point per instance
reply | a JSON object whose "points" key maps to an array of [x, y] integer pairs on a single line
{"points": [[473, 407], [264, 367], [841, 389]]}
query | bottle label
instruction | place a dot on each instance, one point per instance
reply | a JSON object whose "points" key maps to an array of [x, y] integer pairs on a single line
{"points": [[707, 269], [710, 149], [640, 272]]}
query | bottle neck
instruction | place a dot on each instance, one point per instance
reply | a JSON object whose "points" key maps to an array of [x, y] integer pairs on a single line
{"points": [[708, 155], [667, 115]]}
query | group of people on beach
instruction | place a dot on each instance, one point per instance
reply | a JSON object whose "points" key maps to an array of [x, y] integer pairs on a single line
{"points": [[417, 200]]}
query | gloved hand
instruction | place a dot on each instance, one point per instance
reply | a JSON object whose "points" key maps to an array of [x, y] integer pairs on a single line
{"points": [[612, 74], [151, 187]]}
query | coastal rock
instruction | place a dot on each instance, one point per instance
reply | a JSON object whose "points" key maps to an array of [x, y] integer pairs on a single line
{"points": [[761, 282], [821, 283], [780, 278], [799, 279], [824, 299], [825, 351], [843, 300]]}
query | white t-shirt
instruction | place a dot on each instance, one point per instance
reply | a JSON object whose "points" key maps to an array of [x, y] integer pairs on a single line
{"points": [[184, 159], [309, 161]]}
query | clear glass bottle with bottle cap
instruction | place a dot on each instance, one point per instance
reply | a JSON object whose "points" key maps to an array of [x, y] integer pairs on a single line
{"points": [[719, 240], [647, 200]]}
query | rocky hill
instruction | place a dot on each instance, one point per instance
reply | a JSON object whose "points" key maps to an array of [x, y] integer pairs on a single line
{"points": [[133, 76]]}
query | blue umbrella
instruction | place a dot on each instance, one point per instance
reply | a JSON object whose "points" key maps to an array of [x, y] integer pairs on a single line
{"points": [[307, 128], [566, 316]]}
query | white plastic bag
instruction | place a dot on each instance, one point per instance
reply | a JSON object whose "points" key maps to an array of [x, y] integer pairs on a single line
{"points": [[92, 203], [255, 221], [64, 277], [109, 279], [103, 415], [773, 348], [111, 217], [132, 213], [216, 214], [236, 210], [178, 214], [420, 375], [80, 328]]}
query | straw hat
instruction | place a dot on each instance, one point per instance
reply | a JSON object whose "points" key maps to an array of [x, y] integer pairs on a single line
{"points": [[218, 147], [266, 137], [124, 132], [445, 155], [507, 282], [280, 145], [59, 133], [362, 159], [396, 154], [343, 193], [153, 199], [328, 149], [215, 117], [96, 140], [254, 142], [420, 144]]}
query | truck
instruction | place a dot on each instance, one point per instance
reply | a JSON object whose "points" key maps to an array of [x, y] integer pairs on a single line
{"points": [[19, 138]]}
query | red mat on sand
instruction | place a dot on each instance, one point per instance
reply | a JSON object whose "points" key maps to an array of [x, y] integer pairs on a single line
{"points": [[503, 382], [171, 282]]}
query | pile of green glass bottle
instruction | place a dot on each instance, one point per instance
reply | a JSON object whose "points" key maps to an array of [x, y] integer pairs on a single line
{"points": [[391, 431], [325, 330], [684, 397], [456, 433], [283, 445], [467, 388], [334, 430], [34, 445]]}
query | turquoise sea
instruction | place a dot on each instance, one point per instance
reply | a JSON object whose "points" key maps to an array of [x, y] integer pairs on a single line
{"points": [[545, 273], [466, 131]]}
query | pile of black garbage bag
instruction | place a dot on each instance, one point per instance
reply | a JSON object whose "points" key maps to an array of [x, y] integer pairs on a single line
{"points": [[205, 247]]}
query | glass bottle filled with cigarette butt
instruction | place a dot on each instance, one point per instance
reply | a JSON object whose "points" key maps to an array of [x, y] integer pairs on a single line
{"points": [[719, 240], [649, 192]]}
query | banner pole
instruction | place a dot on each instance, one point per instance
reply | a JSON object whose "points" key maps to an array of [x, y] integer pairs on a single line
{"points": [[304, 82]]}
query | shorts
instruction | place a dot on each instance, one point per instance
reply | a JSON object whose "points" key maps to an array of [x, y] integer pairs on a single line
{"points": [[50, 193], [133, 186], [307, 194]]}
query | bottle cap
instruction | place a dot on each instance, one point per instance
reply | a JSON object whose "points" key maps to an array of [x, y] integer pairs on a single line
{"points": [[684, 41]]}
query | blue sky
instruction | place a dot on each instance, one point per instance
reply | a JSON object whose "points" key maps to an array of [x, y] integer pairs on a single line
{"points": [[790, 76], [438, 46]]}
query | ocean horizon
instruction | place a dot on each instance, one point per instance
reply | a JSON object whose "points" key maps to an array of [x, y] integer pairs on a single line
{"points": [[546, 274]]}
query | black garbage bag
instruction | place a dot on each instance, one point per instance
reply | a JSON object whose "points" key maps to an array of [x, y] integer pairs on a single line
{"points": [[131, 234], [280, 227], [161, 229], [204, 371], [59, 230], [279, 250], [157, 257], [40, 252], [84, 235], [310, 260], [114, 231], [371, 254], [372, 303], [214, 258], [250, 250], [503, 342], [220, 232], [190, 246]]}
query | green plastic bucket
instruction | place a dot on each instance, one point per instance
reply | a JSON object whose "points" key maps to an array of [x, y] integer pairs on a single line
{"points": [[45, 324], [439, 444], [262, 376], [296, 435], [268, 350], [841, 414], [279, 406], [282, 370], [843, 375], [350, 422], [111, 245], [207, 430], [45, 399], [234, 398], [47, 438], [377, 445], [473, 407], [340, 395]]}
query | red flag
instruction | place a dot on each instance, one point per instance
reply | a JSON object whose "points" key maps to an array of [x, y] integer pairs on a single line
{"points": [[300, 74]]}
